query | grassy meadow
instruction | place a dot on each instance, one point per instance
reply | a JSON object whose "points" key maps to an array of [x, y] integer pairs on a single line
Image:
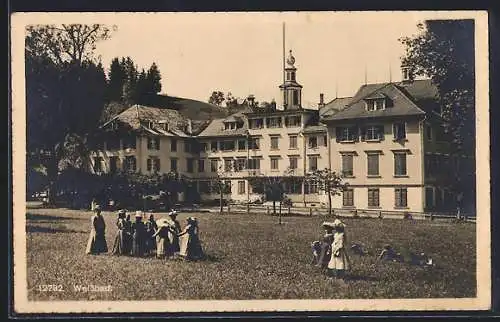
{"points": [[250, 257]]}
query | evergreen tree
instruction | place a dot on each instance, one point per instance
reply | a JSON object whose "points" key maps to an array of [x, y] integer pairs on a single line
{"points": [[153, 79], [117, 78]]}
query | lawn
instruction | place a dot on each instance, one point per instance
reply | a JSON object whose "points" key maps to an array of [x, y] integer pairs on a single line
{"points": [[250, 257]]}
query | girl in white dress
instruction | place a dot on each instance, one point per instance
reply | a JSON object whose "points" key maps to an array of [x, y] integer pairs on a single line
{"points": [[339, 262]]}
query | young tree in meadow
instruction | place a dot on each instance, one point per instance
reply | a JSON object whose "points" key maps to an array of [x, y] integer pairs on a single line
{"points": [[329, 182], [65, 91], [221, 184], [444, 51]]}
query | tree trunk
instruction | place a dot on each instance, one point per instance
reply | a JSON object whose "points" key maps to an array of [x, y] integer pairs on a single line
{"points": [[52, 171], [329, 204], [280, 214], [221, 201]]}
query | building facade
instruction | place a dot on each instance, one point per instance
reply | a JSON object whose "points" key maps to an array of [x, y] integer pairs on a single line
{"points": [[385, 140]]}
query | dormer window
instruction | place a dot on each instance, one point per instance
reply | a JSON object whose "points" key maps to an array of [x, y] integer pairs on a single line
{"points": [[163, 125], [375, 104], [114, 125], [229, 126], [406, 73], [151, 124]]}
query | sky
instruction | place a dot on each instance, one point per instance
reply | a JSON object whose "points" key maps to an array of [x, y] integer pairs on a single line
{"points": [[242, 53]]}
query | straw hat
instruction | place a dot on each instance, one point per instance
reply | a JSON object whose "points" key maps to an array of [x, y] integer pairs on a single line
{"points": [[328, 224], [97, 208], [173, 213], [138, 214], [338, 223], [122, 212]]}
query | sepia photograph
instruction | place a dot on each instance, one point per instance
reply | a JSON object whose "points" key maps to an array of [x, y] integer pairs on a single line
{"points": [[250, 161]]}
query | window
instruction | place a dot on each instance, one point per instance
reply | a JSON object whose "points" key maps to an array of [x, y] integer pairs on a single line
{"points": [[311, 187], [313, 142], [173, 145], [348, 197], [275, 164], [242, 145], [213, 146], [255, 123], [153, 164], [241, 187], [325, 140], [379, 104], [240, 164], [293, 187], [293, 142], [173, 164], [294, 162], [214, 165], [254, 143], [429, 197], [428, 132], [203, 187], [113, 164], [370, 105], [275, 142], [227, 186], [295, 94], [153, 143], [373, 197], [188, 146], [130, 164], [203, 146], [227, 145], [98, 164], [346, 134], [190, 165], [400, 197], [313, 163], [228, 164], [347, 165], [399, 131], [373, 164], [129, 142], [230, 126], [373, 132], [254, 164], [201, 165], [273, 122], [400, 164], [292, 121]]}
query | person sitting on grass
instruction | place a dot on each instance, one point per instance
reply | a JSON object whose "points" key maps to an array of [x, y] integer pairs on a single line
{"points": [[388, 254], [339, 262], [316, 250], [120, 239], [325, 247], [190, 245], [138, 236], [97, 239]]}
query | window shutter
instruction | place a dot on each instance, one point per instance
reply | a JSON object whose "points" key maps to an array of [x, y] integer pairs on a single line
{"points": [[355, 131], [338, 133], [395, 131]]}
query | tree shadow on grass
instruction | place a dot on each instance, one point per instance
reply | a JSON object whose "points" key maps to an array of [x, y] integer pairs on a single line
{"points": [[52, 230], [30, 216]]}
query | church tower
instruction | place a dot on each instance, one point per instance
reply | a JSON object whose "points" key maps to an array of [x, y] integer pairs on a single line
{"points": [[291, 91]]}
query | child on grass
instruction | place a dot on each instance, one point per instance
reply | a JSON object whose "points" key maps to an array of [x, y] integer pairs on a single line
{"points": [[339, 261]]}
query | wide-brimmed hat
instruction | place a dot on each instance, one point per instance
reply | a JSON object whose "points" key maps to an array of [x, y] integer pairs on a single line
{"points": [[97, 207], [138, 214], [122, 212], [338, 223], [328, 224], [172, 213]]}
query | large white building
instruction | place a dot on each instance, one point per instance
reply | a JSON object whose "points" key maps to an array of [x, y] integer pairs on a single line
{"points": [[386, 140]]}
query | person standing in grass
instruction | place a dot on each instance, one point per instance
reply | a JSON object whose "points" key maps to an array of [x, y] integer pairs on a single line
{"points": [[326, 246], [339, 262], [162, 241], [174, 231], [190, 245], [138, 235], [128, 232], [97, 239], [119, 247], [151, 228]]}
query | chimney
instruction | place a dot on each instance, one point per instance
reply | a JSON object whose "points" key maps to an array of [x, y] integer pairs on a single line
{"points": [[321, 100]]}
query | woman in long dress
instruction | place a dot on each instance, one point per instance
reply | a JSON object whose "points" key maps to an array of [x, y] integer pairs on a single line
{"points": [[150, 242], [138, 236], [326, 247], [190, 245], [174, 231], [97, 239], [162, 241], [339, 261], [127, 234], [119, 247]]}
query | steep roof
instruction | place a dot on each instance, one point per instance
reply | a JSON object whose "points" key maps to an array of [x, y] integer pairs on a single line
{"points": [[400, 103], [334, 106], [217, 126]]}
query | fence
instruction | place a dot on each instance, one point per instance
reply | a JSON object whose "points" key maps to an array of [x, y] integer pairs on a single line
{"points": [[344, 212]]}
